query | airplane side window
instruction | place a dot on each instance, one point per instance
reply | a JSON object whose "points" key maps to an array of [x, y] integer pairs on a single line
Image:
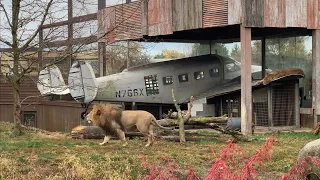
{"points": [[151, 83], [214, 72], [167, 80], [199, 75], [183, 77]]}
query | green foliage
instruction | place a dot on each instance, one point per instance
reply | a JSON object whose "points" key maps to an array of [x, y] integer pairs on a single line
{"points": [[45, 157], [96, 157], [67, 144], [22, 159], [236, 53], [159, 56], [200, 49], [221, 49]]}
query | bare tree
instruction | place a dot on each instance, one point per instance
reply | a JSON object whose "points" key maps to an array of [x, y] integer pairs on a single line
{"points": [[23, 34], [22, 22]]}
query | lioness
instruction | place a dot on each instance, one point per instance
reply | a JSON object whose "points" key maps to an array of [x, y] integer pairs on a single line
{"points": [[275, 74], [113, 119]]}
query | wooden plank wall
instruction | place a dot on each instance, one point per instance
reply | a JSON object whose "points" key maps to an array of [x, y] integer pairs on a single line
{"points": [[57, 117], [159, 17], [163, 17], [234, 12], [215, 13], [27, 88], [292, 13], [106, 25], [187, 14], [120, 22], [50, 117], [128, 21], [253, 13], [274, 13], [296, 13], [313, 11]]}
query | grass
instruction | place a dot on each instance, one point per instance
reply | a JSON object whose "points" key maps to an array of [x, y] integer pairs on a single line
{"points": [[57, 156]]}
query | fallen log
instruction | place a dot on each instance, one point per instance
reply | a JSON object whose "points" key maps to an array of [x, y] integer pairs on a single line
{"points": [[95, 132], [237, 136], [194, 121], [316, 129]]}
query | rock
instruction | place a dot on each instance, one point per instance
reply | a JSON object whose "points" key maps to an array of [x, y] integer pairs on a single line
{"points": [[311, 149]]}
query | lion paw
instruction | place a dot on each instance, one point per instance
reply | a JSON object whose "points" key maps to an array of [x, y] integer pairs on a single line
{"points": [[125, 144], [101, 144]]}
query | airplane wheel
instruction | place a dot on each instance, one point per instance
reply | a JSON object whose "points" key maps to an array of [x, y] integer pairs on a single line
{"points": [[83, 115]]}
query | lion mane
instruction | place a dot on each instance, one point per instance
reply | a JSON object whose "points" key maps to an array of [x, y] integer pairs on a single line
{"points": [[105, 116]]}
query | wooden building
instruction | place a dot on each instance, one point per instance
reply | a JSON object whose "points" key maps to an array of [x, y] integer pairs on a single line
{"points": [[200, 21]]}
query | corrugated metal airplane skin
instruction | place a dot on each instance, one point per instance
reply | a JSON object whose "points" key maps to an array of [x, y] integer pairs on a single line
{"points": [[130, 86], [145, 84]]}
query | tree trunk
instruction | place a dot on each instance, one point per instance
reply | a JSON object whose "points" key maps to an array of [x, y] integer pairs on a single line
{"points": [[17, 131], [181, 128], [180, 120]]}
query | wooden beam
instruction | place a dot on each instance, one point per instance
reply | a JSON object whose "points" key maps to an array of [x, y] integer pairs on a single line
{"points": [[297, 105], [76, 41], [246, 89], [88, 17], [315, 75], [102, 47]]}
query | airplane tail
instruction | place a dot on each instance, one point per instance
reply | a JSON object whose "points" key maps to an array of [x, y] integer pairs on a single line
{"points": [[82, 84], [51, 84]]}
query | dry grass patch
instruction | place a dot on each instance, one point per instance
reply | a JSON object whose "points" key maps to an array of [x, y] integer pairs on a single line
{"points": [[37, 155]]}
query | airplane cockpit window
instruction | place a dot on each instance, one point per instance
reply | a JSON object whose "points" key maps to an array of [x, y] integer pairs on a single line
{"points": [[167, 80], [151, 84], [214, 72], [183, 77], [199, 75], [233, 66]]}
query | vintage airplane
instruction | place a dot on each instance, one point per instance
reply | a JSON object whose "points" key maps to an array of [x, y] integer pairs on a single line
{"points": [[150, 83]]}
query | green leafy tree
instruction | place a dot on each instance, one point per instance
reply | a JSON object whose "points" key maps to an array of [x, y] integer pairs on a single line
{"points": [[236, 53]]}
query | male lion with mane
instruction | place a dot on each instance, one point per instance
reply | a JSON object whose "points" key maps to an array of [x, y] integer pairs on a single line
{"points": [[113, 119]]}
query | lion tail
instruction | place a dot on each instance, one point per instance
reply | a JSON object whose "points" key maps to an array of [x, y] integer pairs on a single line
{"points": [[154, 120]]}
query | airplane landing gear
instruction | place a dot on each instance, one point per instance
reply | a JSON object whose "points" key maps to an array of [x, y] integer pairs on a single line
{"points": [[85, 113]]}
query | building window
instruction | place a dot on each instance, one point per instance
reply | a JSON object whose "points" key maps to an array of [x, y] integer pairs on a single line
{"points": [[167, 80], [30, 118], [214, 72], [199, 75], [152, 87], [183, 77]]}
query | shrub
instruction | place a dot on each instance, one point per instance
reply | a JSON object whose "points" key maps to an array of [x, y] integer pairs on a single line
{"points": [[230, 165]]}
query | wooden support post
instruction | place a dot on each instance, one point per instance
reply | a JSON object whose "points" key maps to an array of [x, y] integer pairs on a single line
{"points": [[102, 47], [263, 56], [270, 109], [246, 83], [315, 75], [297, 105], [70, 38]]}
